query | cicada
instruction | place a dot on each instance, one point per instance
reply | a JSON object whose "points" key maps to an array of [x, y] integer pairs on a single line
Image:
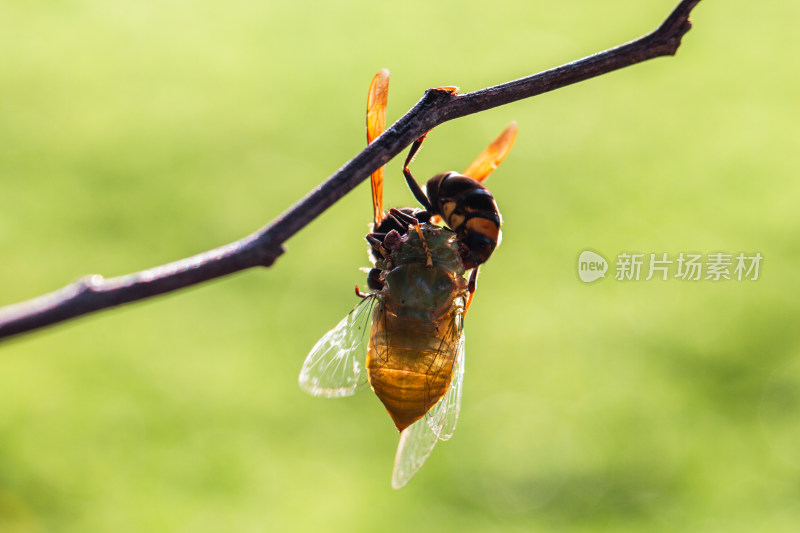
{"points": [[405, 338]]}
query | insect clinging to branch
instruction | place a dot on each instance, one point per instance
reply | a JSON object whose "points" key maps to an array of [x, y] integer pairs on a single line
{"points": [[405, 338]]}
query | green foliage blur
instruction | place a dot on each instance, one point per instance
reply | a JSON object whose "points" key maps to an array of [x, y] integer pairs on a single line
{"points": [[134, 133]]}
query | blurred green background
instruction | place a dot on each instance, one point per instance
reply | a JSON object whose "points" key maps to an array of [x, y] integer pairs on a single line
{"points": [[136, 133]]}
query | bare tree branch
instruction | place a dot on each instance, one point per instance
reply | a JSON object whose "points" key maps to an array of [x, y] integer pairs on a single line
{"points": [[437, 106]]}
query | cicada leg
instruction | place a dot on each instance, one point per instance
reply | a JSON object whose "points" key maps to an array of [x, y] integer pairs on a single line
{"points": [[376, 241], [361, 294]]}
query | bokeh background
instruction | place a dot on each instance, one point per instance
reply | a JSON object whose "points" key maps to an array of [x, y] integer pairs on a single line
{"points": [[134, 133]]}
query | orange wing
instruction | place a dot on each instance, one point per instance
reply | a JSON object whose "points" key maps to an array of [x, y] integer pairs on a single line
{"points": [[376, 123], [493, 155]]}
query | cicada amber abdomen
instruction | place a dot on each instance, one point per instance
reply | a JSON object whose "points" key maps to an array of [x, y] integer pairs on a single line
{"points": [[417, 325]]}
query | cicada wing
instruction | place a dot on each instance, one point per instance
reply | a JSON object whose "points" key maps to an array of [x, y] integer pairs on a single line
{"points": [[417, 440], [493, 155], [443, 417], [376, 124], [335, 365], [416, 443]]}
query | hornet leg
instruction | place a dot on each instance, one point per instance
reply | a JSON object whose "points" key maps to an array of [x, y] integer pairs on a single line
{"points": [[428, 256], [412, 183], [472, 286], [412, 222]]}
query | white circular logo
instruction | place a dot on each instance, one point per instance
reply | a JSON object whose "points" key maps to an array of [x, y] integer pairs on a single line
{"points": [[591, 266]]}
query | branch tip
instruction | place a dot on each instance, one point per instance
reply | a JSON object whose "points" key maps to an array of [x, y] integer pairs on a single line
{"points": [[678, 22]]}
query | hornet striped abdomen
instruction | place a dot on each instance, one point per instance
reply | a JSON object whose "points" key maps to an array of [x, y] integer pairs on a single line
{"points": [[470, 211]]}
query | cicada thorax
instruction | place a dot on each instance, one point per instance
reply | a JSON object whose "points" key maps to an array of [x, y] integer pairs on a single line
{"points": [[470, 211], [417, 326], [391, 224]]}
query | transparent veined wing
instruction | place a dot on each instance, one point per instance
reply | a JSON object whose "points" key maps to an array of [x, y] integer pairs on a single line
{"points": [[416, 443], [442, 418], [335, 365]]}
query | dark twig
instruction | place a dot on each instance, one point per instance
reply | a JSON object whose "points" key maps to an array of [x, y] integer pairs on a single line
{"points": [[262, 248]]}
